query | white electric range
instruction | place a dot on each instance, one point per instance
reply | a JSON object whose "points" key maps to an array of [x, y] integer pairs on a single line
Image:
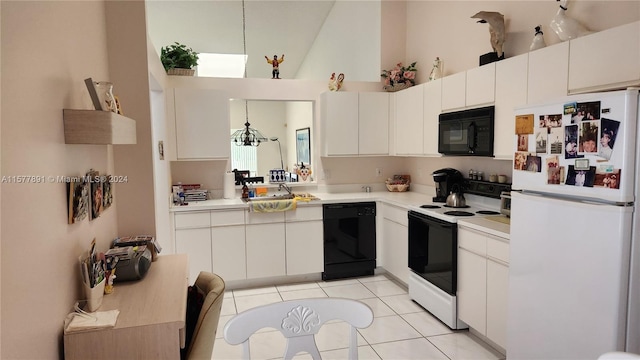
{"points": [[433, 248]]}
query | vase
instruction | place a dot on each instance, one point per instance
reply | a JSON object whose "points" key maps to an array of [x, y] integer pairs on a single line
{"points": [[183, 72], [396, 87]]}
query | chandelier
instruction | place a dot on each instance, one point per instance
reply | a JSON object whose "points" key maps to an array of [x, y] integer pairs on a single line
{"points": [[247, 136]]}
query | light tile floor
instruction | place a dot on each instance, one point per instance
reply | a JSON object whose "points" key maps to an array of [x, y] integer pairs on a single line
{"points": [[401, 329]]}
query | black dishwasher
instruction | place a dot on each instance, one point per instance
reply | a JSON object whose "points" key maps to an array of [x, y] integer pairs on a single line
{"points": [[349, 239]]}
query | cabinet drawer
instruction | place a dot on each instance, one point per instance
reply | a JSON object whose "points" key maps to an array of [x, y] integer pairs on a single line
{"points": [[498, 249], [192, 220], [227, 217], [472, 241], [395, 214], [304, 213], [263, 218]]}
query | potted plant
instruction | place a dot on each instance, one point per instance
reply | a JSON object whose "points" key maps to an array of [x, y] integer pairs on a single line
{"points": [[178, 59]]}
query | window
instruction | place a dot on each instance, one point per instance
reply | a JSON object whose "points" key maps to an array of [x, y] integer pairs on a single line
{"points": [[221, 65], [244, 157]]}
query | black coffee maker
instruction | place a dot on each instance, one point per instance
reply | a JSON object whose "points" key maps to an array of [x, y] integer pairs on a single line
{"points": [[445, 179]]}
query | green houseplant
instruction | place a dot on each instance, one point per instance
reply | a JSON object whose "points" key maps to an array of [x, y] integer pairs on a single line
{"points": [[178, 59]]}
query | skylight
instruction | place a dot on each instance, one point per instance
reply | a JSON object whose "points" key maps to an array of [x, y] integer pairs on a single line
{"points": [[221, 65]]}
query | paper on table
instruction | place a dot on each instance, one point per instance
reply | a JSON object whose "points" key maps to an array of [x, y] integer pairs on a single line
{"points": [[90, 321]]}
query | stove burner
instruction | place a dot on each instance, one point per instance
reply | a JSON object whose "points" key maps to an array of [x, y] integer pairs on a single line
{"points": [[487, 212], [430, 206], [457, 207], [458, 213]]}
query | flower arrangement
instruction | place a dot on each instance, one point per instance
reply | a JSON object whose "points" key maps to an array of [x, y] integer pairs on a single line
{"points": [[400, 76]]}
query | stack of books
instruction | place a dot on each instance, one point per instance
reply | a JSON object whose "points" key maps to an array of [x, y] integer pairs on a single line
{"points": [[195, 195]]}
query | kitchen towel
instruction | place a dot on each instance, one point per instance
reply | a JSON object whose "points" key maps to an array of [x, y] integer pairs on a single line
{"points": [[272, 205], [229, 185]]}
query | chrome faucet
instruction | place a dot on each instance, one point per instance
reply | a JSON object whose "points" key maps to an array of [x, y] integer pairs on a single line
{"points": [[283, 185]]}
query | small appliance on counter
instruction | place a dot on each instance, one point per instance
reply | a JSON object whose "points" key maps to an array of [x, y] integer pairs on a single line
{"points": [[445, 179], [133, 262]]}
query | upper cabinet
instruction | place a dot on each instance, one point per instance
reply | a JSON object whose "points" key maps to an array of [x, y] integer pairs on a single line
{"points": [[605, 60], [548, 73], [471, 88], [481, 85], [511, 91], [355, 123], [202, 124], [432, 108], [97, 127], [409, 121]]}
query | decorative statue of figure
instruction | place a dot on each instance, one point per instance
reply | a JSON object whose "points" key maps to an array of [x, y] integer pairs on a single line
{"points": [[538, 40], [496, 28], [275, 73], [565, 27], [436, 71], [336, 83]]}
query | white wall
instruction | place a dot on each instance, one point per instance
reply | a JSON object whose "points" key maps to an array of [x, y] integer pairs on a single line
{"points": [[48, 49]]}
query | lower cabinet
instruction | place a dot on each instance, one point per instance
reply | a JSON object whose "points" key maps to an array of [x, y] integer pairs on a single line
{"points": [[395, 242], [228, 252], [483, 276], [265, 250], [304, 247], [196, 243]]}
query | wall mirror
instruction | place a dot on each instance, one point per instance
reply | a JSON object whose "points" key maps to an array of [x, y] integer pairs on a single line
{"points": [[283, 120]]}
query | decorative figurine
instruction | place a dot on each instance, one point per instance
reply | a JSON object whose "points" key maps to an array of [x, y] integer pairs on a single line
{"points": [[496, 28], [436, 71], [565, 27], [304, 171], [275, 73], [335, 84], [538, 40]]}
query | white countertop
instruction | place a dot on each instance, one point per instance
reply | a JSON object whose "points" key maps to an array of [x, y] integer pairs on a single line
{"points": [[400, 199]]}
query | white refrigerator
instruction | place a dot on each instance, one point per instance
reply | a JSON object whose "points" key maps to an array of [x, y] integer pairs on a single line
{"points": [[574, 269]]}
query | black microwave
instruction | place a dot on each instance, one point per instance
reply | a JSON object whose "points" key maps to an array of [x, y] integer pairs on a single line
{"points": [[466, 132]]}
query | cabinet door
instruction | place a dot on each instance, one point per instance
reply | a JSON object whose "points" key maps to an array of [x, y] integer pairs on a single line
{"points": [[432, 110], [409, 121], [196, 243], [481, 85], [605, 60], [304, 247], [202, 124], [265, 250], [340, 123], [396, 249], [548, 73], [228, 252], [511, 91], [454, 91], [373, 123], [472, 290], [497, 287]]}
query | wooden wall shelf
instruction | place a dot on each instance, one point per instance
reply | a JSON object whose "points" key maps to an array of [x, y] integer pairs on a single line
{"points": [[97, 127]]}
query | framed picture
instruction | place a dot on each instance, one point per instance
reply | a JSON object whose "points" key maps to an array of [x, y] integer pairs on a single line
{"points": [[303, 145]]}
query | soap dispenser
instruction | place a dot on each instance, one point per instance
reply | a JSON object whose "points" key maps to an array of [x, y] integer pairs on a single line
{"points": [[245, 191]]}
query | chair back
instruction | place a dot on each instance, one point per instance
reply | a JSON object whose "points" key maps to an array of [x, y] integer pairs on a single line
{"points": [[204, 334], [299, 321]]}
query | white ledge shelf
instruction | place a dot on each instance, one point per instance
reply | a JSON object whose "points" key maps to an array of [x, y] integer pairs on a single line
{"points": [[98, 127]]}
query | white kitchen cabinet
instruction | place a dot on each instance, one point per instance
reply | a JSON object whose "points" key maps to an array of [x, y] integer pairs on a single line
{"points": [[409, 121], [395, 242], [605, 60], [339, 114], [481, 84], [196, 243], [265, 250], [304, 240], [454, 91], [201, 124], [483, 275], [373, 123], [228, 250], [511, 91], [548, 73], [432, 108]]}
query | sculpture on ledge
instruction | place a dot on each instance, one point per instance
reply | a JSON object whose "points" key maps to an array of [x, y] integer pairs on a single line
{"points": [[496, 30], [335, 84], [275, 64], [566, 27], [538, 39]]}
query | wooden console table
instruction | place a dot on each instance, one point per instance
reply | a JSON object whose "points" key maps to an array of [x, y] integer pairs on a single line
{"points": [[151, 323]]}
